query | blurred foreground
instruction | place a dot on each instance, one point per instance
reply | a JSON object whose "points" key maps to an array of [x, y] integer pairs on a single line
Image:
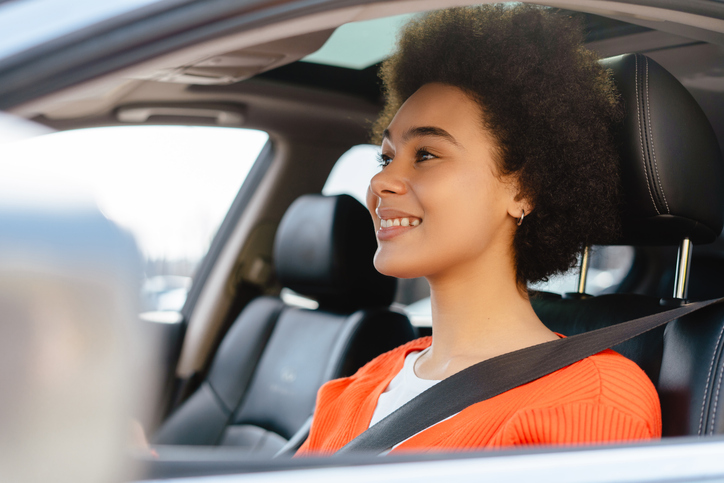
{"points": [[73, 369]]}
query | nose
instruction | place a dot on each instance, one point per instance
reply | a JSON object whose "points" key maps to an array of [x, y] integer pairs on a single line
{"points": [[389, 181]]}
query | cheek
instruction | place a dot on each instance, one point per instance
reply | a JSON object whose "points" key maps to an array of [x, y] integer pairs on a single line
{"points": [[372, 202], [464, 213], [460, 205], [453, 210]]}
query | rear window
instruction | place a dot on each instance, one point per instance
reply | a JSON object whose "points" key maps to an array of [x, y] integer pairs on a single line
{"points": [[352, 173], [607, 268]]}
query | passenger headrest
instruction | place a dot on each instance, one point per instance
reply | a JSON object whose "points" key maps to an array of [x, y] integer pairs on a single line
{"points": [[671, 162], [324, 249]]}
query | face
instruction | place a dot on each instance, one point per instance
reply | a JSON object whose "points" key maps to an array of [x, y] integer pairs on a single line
{"points": [[438, 204]]}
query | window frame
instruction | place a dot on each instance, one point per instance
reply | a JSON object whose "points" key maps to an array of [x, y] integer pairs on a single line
{"points": [[238, 206]]}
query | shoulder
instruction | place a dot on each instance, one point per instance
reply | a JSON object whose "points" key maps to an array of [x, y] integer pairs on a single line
{"points": [[608, 382], [603, 398], [625, 386], [606, 377]]}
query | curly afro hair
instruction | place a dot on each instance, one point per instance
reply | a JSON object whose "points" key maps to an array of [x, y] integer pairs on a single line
{"points": [[547, 102]]}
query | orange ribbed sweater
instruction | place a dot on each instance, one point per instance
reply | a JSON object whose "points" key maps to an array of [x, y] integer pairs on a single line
{"points": [[603, 398]]}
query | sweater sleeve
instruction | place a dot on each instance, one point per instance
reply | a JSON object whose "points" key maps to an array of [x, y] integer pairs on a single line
{"points": [[573, 424], [327, 405]]}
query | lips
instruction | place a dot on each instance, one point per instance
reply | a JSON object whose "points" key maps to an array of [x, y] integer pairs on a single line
{"points": [[394, 222]]}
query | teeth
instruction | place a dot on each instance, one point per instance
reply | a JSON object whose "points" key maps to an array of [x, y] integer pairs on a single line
{"points": [[399, 222]]}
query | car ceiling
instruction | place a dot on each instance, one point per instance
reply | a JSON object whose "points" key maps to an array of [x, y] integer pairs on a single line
{"points": [[301, 100]]}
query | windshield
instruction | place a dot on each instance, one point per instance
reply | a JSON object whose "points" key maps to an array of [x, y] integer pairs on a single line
{"points": [[28, 23]]}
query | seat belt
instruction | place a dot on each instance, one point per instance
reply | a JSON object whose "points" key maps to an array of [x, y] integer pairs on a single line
{"points": [[499, 374]]}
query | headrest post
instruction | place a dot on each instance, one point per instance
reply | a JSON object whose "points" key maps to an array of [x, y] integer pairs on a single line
{"points": [[681, 280], [584, 271]]}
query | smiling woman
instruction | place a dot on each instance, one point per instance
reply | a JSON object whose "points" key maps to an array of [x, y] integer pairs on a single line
{"points": [[492, 179]]}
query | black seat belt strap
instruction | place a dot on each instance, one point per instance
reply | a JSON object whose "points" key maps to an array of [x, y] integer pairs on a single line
{"points": [[499, 374]]}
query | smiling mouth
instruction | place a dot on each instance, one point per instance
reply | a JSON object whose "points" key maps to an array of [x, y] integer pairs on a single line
{"points": [[411, 221]]}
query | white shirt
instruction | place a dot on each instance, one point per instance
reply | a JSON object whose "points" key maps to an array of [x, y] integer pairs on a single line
{"points": [[405, 386]]}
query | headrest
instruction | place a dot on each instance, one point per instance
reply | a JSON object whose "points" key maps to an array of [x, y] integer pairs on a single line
{"points": [[671, 162], [324, 249]]}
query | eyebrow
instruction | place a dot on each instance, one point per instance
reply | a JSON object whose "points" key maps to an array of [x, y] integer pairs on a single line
{"points": [[421, 131]]}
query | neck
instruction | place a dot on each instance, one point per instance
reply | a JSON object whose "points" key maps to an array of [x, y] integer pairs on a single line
{"points": [[478, 312]]}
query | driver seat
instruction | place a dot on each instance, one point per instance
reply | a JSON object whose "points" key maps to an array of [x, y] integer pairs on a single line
{"points": [[673, 182]]}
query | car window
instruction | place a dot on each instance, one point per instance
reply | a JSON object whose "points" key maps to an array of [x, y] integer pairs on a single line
{"points": [[169, 186], [353, 171], [608, 266]]}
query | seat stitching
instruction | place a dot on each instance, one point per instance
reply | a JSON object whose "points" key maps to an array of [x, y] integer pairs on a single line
{"points": [[641, 131], [651, 137], [716, 401], [708, 377]]}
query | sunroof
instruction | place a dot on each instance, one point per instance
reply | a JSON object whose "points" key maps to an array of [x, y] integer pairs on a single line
{"points": [[359, 45]]}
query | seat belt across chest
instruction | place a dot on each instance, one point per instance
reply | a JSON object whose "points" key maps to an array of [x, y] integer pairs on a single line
{"points": [[499, 374]]}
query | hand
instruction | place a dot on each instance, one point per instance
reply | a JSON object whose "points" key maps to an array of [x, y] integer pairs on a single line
{"points": [[139, 440]]}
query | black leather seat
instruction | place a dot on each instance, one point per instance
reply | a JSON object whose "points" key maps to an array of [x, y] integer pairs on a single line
{"points": [[263, 381], [673, 182]]}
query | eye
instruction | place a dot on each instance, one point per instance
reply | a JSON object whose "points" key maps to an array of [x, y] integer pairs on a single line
{"points": [[383, 160], [424, 155]]}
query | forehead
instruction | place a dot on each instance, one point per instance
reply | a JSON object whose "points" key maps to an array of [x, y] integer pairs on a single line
{"points": [[439, 105]]}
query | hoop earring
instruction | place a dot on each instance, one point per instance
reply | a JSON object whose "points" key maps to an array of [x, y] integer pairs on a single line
{"points": [[520, 220]]}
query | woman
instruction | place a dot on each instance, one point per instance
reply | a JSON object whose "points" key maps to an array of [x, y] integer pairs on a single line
{"points": [[498, 169]]}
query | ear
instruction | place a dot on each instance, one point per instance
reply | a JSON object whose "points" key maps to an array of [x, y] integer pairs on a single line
{"points": [[519, 207], [518, 204]]}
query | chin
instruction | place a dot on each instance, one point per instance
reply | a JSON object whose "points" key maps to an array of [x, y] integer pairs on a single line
{"points": [[397, 267]]}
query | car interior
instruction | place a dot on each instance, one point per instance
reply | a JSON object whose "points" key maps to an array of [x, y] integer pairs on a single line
{"points": [[242, 367], [261, 387]]}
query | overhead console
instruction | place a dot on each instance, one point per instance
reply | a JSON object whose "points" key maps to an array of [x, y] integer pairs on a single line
{"points": [[242, 64]]}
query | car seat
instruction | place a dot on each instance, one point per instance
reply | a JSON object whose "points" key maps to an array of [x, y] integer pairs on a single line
{"points": [[673, 183], [262, 383]]}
